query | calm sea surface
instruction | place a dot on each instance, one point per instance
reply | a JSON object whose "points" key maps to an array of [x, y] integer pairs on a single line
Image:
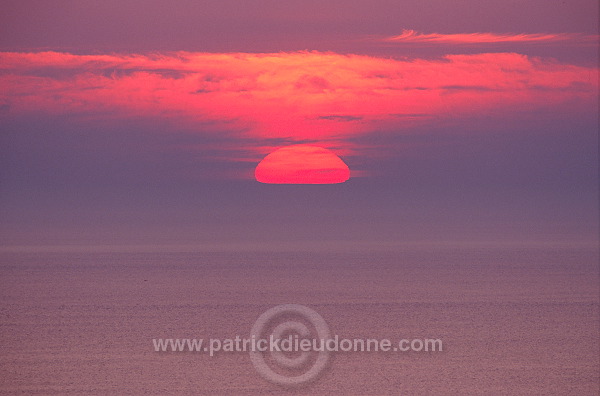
{"points": [[513, 320]]}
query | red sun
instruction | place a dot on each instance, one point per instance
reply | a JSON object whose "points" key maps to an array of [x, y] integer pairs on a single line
{"points": [[302, 164]]}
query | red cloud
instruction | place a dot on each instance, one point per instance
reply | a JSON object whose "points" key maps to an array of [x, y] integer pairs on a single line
{"points": [[411, 36], [322, 97]]}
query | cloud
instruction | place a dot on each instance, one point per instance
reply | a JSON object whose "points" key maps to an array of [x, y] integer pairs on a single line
{"points": [[340, 118], [411, 36], [323, 98]]}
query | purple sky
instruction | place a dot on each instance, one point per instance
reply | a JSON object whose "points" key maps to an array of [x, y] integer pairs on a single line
{"points": [[140, 143]]}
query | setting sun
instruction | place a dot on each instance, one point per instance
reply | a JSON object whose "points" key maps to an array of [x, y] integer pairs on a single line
{"points": [[302, 164]]}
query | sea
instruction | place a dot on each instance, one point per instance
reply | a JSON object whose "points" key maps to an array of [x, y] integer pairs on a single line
{"points": [[513, 319]]}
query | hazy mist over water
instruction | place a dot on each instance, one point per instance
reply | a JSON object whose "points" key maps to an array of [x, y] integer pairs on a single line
{"points": [[514, 320]]}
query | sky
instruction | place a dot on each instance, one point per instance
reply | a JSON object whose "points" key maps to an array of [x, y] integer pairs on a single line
{"points": [[142, 122]]}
